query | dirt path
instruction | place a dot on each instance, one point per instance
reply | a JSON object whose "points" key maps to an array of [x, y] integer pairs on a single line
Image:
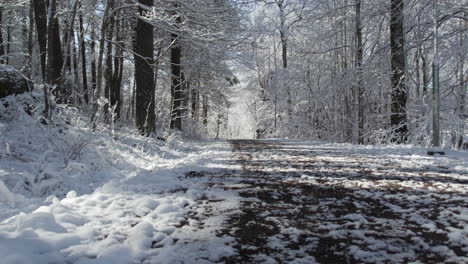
{"points": [[317, 204]]}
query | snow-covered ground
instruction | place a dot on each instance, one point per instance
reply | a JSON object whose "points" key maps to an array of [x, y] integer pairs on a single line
{"points": [[127, 220], [71, 195]]}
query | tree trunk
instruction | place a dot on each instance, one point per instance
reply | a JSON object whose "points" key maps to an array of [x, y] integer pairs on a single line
{"points": [[284, 52], [176, 76], [69, 65], [359, 81], [83, 57], [93, 60], [66, 46], [418, 75], [2, 49], [205, 110], [398, 96], [54, 49], [98, 90], [115, 98], [144, 74], [30, 38], [109, 71], [41, 28], [39, 7], [195, 97], [461, 90], [425, 78], [8, 44]]}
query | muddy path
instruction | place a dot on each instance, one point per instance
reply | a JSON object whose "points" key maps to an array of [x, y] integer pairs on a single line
{"points": [[322, 205]]}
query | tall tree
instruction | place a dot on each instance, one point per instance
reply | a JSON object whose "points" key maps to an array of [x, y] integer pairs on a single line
{"points": [[9, 28], [98, 64], [40, 16], [399, 95], [282, 31], [176, 76], [54, 48], [115, 94], [359, 77], [83, 56], [30, 44], [144, 75], [92, 48], [109, 71], [461, 90], [2, 48]]}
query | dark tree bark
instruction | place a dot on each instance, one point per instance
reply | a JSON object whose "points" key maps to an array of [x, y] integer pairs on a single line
{"points": [[40, 17], [425, 77], [359, 77], [93, 60], [83, 58], [399, 95], [41, 29], [30, 37], [461, 89], [2, 49], [284, 50], [74, 55], [283, 37], [205, 110], [109, 70], [115, 95], [66, 47], [8, 44], [176, 76], [144, 74], [195, 97], [54, 49], [417, 73]]}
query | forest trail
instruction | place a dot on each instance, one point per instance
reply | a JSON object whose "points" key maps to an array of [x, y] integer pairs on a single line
{"points": [[307, 203], [255, 201]]}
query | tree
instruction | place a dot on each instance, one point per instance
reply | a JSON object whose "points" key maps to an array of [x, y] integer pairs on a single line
{"points": [[41, 28], [54, 48], [2, 48], [461, 91], [115, 93], [109, 83], [98, 65], [359, 77], [83, 56], [176, 76], [144, 74], [398, 96]]}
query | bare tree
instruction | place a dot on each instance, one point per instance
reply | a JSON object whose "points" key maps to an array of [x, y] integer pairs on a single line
{"points": [[83, 56], [2, 48], [176, 76], [399, 96], [359, 77], [54, 48], [144, 75], [41, 27]]}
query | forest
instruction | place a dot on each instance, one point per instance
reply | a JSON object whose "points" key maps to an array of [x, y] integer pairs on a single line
{"points": [[233, 131], [341, 70]]}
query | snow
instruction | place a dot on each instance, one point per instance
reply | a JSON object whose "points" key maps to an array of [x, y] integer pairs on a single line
{"points": [[72, 195], [125, 221]]}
